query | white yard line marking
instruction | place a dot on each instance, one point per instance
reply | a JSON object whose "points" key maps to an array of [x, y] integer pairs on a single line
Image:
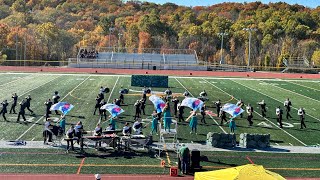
{"points": [[43, 116], [290, 144], [277, 144], [209, 114], [304, 86], [273, 98], [32, 139], [295, 93], [263, 117]]}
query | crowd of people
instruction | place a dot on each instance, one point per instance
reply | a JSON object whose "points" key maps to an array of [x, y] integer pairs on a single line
{"points": [[90, 54]]}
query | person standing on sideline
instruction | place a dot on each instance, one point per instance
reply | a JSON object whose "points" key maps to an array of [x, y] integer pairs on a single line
{"points": [[240, 103], [175, 101], [263, 108], [22, 111], [302, 115], [218, 106], [184, 156], [56, 98], [28, 103], [4, 109], [203, 113], [154, 124], [287, 104], [14, 104], [167, 117], [48, 106], [279, 113], [223, 117], [250, 114]]}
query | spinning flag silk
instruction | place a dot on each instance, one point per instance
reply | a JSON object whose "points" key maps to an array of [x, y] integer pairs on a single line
{"points": [[113, 109], [157, 102], [192, 103], [64, 107], [232, 109]]}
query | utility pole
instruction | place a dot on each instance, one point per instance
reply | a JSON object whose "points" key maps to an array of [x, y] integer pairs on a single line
{"points": [[25, 50], [250, 34], [110, 31], [222, 35]]}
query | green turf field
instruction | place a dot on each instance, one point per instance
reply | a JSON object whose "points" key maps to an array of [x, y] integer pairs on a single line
{"points": [[81, 90]]}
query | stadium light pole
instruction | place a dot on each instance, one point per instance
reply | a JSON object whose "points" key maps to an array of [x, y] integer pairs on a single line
{"points": [[222, 35], [250, 34]]}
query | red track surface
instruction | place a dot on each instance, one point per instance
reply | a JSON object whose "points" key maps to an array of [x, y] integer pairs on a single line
{"points": [[162, 72], [137, 71]]}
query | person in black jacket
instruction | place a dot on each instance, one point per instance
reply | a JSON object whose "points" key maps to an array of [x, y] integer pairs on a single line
{"points": [[137, 105], [56, 98], [98, 105], [4, 109], [223, 117], [48, 106], [175, 101], [28, 103], [203, 113], [14, 104], [103, 112], [218, 106], [142, 106], [181, 111], [22, 111]]}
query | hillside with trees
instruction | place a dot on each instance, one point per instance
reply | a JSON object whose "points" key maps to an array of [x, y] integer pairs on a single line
{"points": [[55, 29]]}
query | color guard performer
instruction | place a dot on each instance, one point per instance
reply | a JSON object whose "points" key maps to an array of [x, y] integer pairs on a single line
{"points": [[240, 103], [154, 124]]}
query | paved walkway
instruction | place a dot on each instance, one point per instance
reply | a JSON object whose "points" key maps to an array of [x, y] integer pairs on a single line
{"points": [[171, 147]]}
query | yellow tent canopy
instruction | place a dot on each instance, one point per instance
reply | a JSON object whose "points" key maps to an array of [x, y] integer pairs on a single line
{"points": [[245, 172]]}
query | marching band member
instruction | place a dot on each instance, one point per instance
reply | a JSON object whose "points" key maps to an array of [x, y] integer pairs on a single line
{"points": [[223, 117], [142, 106], [186, 94], [48, 106], [175, 101], [218, 106], [70, 134], [13, 106], [168, 94], [98, 132], [279, 113], [203, 94], [56, 98], [263, 108], [137, 105], [47, 131], [22, 111], [240, 103], [250, 114], [137, 127], [203, 113], [78, 131], [4, 109], [28, 103], [109, 128], [180, 115], [103, 112], [302, 115], [98, 105], [287, 104], [126, 130]]}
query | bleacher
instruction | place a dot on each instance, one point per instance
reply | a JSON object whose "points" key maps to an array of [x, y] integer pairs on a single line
{"points": [[176, 59]]}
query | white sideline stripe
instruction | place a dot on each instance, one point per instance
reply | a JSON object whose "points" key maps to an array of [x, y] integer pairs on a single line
{"points": [[264, 117], [275, 99], [36, 88], [294, 92], [305, 86], [180, 77], [110, 96], [209, 114], [43, 116]]}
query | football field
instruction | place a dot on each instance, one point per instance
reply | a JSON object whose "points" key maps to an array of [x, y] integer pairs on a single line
{"points": [[82, 89]]}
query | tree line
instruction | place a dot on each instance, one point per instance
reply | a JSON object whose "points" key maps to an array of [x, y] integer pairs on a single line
{"points": [[55, 29]]}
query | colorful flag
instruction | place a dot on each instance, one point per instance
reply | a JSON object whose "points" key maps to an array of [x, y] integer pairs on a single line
{"points": [[192, 103], [232, 109], [113, 109], [64, 107], [157, 102]]}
